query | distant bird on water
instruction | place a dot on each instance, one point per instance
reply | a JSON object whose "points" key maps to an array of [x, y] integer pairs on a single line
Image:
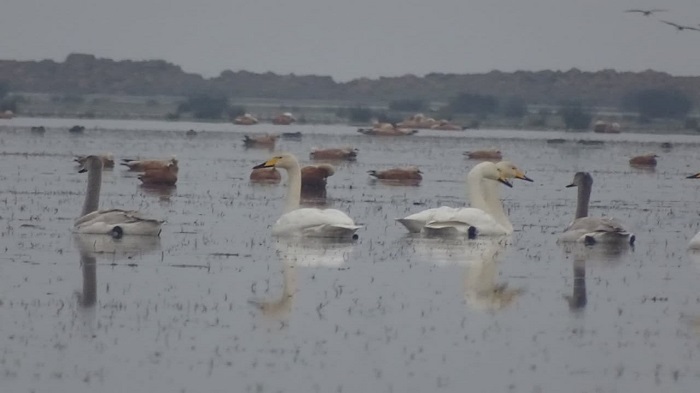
{"points": [[679, 27], [646, 12], [647, 160]]}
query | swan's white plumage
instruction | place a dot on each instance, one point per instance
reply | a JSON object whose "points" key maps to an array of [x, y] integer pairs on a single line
{"points": [[450, 220], [315, 222], [694, 243], [312, 222], [486, 213]]}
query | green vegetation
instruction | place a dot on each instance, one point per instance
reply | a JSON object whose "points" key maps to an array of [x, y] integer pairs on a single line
{"points": [[574, 115], [514, 107], [473, 103], [234, 111], [362, 114], [658, 103], [4, 89], [68, 99], [10, 103], [7, 103], [408, 105], [204, 106], [538, 120], [356, 114]]}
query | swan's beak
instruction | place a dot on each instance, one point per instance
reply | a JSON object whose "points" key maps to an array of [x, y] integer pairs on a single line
{"points": [[520, 175], [695, 176], [505, 181], [82, 170], [571, 185], [267, 164]]}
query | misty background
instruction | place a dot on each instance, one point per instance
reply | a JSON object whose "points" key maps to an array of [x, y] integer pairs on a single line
{"points": [[364, 38]]}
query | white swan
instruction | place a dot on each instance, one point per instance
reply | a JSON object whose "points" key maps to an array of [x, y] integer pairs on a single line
{"points": [[306, 221], [485, 216], [591, 230], [694, 243], [115, 222]]}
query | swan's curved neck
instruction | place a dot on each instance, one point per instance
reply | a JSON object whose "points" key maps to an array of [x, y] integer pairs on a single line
{"points": [[484, 194], [293, 188], [584, 197], [92, 197], [492, 196], [475, 190]]}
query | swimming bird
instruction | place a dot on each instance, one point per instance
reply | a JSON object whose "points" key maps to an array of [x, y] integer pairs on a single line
{"points": [[404, 173], [488, 154], [313, 177], [285, 118], [344, 153], [245, 119], [114, 222], [646, 160], [266, 140], [646, 12], [312, 222], [485, 217], [679, 27], [143, 165], [107, 159], [265, 175], [384, 131], [591, 230], [160, 176]]}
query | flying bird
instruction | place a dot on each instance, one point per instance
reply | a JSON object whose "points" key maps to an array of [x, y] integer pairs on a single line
{"points": [[679, 27], [646, 12]]}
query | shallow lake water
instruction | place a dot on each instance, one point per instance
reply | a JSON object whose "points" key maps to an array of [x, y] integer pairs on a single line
{"points": [[216, 304]]}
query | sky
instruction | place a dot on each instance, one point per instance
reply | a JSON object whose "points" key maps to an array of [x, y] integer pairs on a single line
{"points": [[351, 39]]}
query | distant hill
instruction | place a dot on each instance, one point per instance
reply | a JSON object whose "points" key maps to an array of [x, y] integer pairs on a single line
{"points": [[86, 74]]}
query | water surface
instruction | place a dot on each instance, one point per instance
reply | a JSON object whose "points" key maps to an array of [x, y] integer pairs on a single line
{"points": [[217, 304]]}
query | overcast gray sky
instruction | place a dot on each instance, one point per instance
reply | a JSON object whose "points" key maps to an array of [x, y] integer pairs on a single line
{"points": [[348, 39]]}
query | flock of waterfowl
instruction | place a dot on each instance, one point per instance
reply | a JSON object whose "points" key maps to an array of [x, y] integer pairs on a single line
{"points": [[484, 216]]}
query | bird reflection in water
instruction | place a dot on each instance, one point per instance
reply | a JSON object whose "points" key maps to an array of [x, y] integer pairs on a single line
{"points": [[158, 190], [314, 197], [480, 258], [578, 299], [89, 246], [482, 291], [580, 253], [88, 265], [302, 253]]}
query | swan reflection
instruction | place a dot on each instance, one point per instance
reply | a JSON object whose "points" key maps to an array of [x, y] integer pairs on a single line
{"points": [[580, 254], [89, 246], [480, 258], [125, 247], [303, 253], [88, 265]]}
